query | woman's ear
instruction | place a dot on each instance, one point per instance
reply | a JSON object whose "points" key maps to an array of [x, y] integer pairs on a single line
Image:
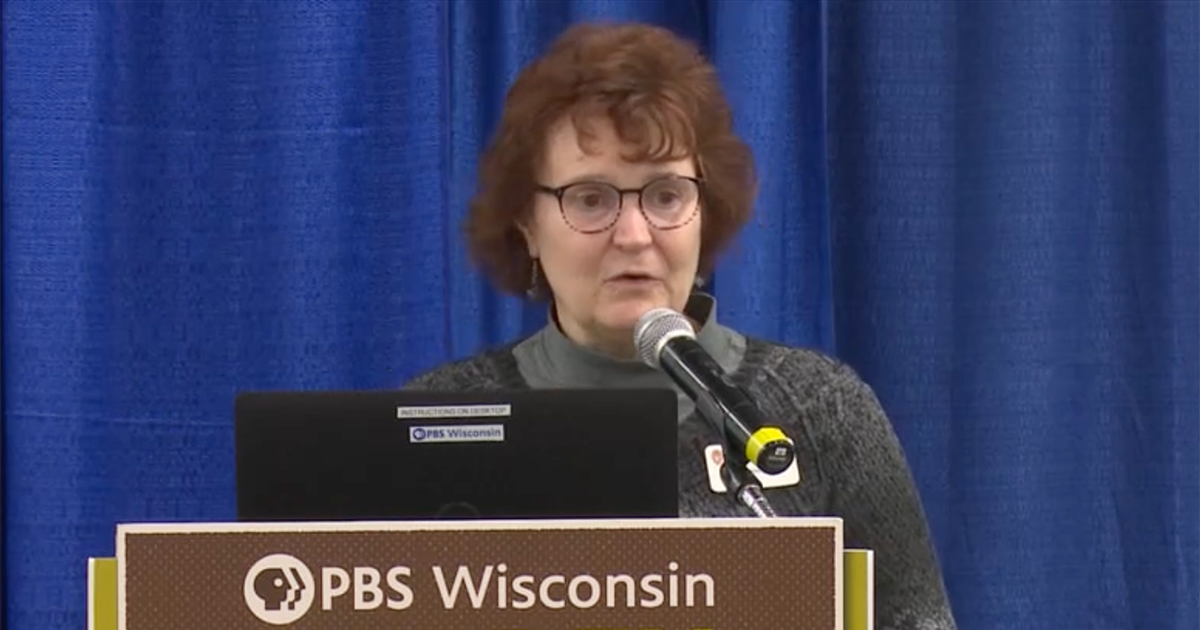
{"points": [[530, 240]]}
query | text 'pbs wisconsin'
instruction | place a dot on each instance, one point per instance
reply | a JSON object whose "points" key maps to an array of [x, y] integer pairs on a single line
{"points": [[495, 587]]}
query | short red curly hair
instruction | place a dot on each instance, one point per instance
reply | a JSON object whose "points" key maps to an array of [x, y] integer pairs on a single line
{"points": [[662, 97]]}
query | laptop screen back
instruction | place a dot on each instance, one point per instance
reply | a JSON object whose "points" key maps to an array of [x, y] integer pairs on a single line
{"points": [[382, 455]]}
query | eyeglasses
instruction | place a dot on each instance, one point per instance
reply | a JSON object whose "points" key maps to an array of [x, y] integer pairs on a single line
{"points": [[591, 207]]}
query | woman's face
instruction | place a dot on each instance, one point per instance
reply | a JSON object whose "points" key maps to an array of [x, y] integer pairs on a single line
{"points": [[605, 262]]}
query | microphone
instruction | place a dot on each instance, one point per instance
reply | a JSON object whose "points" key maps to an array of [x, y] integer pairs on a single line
{"points": [[665, 340]]}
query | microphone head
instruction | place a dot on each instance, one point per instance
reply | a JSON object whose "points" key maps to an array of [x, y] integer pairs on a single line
{"points": [[655, 328]]}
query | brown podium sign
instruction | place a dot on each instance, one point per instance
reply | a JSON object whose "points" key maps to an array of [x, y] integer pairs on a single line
{"points": [[667, 574]]}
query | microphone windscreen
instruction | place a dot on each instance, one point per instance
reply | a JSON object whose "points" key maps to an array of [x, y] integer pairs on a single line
{"points": [[655, 328]]}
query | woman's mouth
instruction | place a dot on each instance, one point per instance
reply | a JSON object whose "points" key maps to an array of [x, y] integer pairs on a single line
{"points": [[632, 279]]}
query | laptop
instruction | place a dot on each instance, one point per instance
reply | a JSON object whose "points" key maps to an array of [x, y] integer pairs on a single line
{"points": [[406, 455]]}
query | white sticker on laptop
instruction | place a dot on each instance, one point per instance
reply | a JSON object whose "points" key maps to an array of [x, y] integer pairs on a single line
{"points": [[453, 411], [456, 433]]}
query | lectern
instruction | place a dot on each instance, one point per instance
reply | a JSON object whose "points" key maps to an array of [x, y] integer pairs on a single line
{"points": [[667, 574], [307, 552]]}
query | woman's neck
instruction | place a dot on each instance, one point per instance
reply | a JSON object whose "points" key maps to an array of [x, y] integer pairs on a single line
{"points": [[615, 344]]}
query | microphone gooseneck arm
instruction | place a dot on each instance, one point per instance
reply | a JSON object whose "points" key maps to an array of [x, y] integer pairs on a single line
{"points": [[726, 405], [746, 489], [721, 401], [706, 389]]}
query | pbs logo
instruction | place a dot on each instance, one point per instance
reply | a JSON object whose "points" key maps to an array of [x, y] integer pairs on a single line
{"points": [[279, 589], [417, 434]]}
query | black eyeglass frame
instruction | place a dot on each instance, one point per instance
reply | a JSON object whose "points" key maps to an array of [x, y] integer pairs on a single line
{"points": [[558, 193]]}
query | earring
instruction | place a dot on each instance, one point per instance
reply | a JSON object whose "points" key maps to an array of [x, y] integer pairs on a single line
{"points": [[532, 291], [698, 283]]}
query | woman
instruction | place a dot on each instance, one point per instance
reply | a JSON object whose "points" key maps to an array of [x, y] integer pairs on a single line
{"points": [[613, 182]]}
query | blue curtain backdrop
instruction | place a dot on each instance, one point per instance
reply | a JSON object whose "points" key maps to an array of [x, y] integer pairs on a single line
{"points": [[987, 208]]}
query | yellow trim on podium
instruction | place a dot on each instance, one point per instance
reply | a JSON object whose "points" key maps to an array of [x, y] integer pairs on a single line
{"points": [[102, 594], [858, 575]]}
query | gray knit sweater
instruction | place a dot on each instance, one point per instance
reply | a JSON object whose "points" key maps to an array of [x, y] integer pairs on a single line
{"points": [[851, 462]]}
